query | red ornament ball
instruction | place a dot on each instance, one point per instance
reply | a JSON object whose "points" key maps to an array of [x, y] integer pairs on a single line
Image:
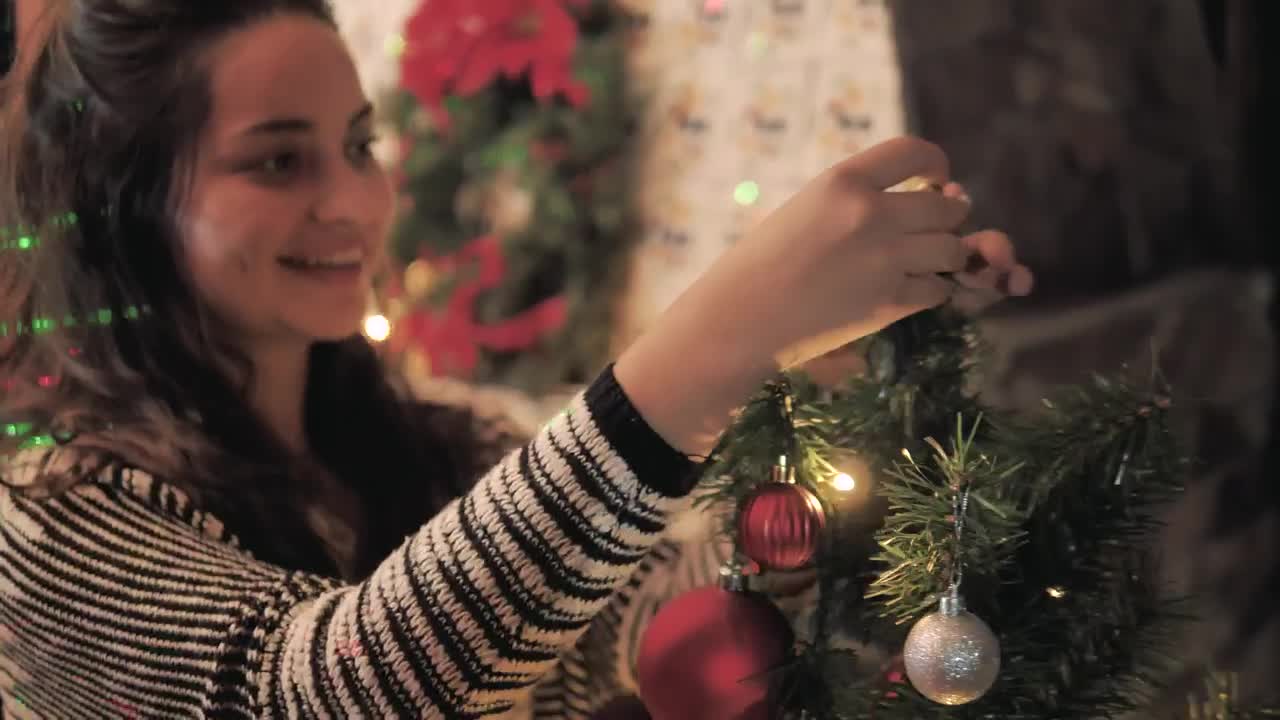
{"points": [[708, 654], [780, 526]]}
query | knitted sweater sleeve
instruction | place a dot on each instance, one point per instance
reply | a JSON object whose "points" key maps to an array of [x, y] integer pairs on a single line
{"points": [[118, 598], [484, 423], [601, 667]]}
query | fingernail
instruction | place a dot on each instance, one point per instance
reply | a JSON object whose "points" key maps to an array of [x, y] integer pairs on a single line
{"points": [[956, 191]]}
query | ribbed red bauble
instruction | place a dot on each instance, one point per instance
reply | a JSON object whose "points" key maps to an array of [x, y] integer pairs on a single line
{"points": [[781, 525], [709, 654]]}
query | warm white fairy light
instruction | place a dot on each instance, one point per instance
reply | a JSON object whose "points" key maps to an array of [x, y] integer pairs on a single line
{"points": [[843, 482], [377, 327]]}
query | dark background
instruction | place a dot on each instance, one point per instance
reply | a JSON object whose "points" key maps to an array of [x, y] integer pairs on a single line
{"points": [[1121, 144], [8, 23]]}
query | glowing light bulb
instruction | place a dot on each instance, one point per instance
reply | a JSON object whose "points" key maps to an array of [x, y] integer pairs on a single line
{"points": [[395, 45], [1055, 592], [377, 328], [843, 482]]}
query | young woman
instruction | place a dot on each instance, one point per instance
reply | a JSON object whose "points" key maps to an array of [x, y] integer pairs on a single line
{"points": [[238, 515]]}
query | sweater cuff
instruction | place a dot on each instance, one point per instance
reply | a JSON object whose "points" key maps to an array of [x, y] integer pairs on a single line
{"points": [[660, 467]]}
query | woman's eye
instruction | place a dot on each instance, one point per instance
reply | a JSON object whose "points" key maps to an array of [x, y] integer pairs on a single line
{"points": [[279, 164], [363, 149]]}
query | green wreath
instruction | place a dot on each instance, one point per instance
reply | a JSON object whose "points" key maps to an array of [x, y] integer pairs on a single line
{"points": [[515, 233]]}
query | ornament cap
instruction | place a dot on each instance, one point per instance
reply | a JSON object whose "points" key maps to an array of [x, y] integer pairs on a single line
{"points": [[951, 604], [733, 577], [782, 472]]}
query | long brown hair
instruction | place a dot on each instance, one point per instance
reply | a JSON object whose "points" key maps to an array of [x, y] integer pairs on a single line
{"points": [[106, 349]]}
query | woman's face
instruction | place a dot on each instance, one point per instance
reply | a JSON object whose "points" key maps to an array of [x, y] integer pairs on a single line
{"points": [[284, 224]]}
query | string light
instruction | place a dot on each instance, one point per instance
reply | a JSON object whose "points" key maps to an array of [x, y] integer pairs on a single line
{"points": [[377, 328], [44, 324], [395, 45], [24, 430], [40, 326], [26, 242], [22, 238], [1055, 592], [843, 482], [17, 429], [747, 192]]}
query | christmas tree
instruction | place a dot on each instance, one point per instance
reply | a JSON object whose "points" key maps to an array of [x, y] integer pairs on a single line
{"points": [[1008, 557], [514, 119], [1014, 547]]}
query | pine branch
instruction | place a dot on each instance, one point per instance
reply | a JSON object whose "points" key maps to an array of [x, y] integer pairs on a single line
{"points": [[1081, 625], [1092, 626], [1061, 508], [917, 542], [1221, 701]]}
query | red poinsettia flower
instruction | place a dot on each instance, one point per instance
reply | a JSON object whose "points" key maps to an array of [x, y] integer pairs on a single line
{"points": [[451, 337], [461, 46]]}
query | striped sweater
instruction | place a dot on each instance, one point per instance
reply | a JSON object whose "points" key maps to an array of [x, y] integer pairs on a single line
{"points": [[119, 598]]}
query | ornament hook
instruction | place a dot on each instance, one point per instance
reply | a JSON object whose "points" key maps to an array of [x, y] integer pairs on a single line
{"points": [[951, 604], [783, 473], [733, 576]]}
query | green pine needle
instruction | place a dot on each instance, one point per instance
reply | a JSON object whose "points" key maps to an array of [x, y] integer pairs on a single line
{"points": [[1063, 506]]}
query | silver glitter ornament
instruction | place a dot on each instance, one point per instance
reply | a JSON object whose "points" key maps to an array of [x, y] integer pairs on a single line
{"points": [[951, 656]]}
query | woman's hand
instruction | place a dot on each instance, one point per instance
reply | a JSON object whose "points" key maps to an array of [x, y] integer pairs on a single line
{"points": [[842, 259]]}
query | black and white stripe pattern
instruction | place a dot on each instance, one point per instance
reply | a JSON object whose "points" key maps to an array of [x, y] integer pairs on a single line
{"points": [[602, 665], [119, 597]]}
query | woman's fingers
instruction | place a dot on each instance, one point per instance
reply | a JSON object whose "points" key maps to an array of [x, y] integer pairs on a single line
{"points": [[1020, 281], [895, 161], [914, 212], [984, 262], [994, 247], [921, 292], [1001, 272], [924, 253], [956, 190]]}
